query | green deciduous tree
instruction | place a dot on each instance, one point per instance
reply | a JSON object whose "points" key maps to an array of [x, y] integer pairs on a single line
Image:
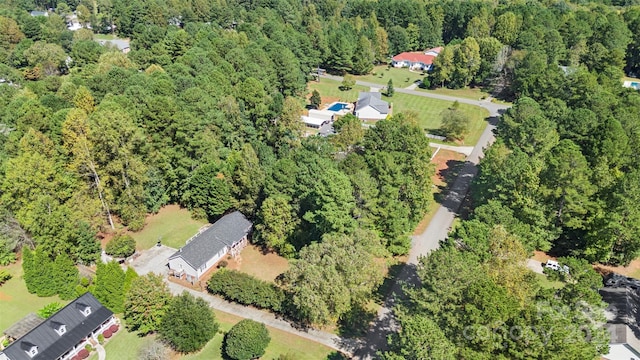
{"points": [[455, 124], [246, 340], [121, 246], [277, 224], [145, 303], [315, 99], [188, 323], [330, 277]]}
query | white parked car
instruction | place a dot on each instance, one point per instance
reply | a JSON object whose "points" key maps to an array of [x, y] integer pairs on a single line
{"points": [[553, 265]]}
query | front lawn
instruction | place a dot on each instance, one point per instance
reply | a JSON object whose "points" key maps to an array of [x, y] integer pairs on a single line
{"points": [[15, 300], [401, 77], [172, 225], [428, 112], [125, 345], [264, 266], [331, 89]]}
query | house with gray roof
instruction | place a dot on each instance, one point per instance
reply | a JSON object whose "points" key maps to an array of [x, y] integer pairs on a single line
{"points": [[65, 333], [228, 235], [622, 296], [370, 106]]}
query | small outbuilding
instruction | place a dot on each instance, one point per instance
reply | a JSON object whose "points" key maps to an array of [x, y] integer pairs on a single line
{"points": [[229, 235]]}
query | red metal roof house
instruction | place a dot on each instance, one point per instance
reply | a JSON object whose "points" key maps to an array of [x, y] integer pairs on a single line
{"points": [[416, 60]]}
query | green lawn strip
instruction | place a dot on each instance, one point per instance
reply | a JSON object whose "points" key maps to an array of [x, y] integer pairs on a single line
{"points": [[548, 284], [467, 93], [331, 88], [15, 300], [173, 225], [104, 37], [125, 345], [429, 112], [401, 77]]}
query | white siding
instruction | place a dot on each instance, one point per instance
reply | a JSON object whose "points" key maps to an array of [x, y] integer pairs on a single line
{"points": [[178, 264], [370, 113], [209, 264]]}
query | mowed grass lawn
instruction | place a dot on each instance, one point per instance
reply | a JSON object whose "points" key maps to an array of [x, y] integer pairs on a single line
{"points": [[429, 113], [125, 345], [15, 300], [331, 88], [172, 224]]}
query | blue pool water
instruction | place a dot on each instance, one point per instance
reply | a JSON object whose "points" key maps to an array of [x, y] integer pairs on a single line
{"points": [[635, 85], [338, 107]]}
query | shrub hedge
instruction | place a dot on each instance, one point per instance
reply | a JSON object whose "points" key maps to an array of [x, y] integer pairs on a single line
{"points": [[247, 290]]}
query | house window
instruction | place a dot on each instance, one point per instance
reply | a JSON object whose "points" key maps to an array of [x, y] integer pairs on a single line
{"points": [[86, 311], [61, 329], [33, 351]]}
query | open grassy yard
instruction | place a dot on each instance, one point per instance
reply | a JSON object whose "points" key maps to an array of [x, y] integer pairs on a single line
{"points": [[104, 37], [331, 89], [172, 224], [125, 345], [15, 300], [401, 77], [264, 266], [429, 111]]}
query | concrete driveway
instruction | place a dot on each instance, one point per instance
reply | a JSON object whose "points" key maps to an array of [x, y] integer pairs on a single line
{"points": [[535, 266], [153, 260]]}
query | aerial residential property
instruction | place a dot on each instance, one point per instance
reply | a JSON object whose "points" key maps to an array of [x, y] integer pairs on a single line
{"points": [[64, 334], [416, 60]]}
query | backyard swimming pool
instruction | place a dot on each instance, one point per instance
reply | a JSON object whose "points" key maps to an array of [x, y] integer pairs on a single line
{"points": [[635, 85], [338, 106]]}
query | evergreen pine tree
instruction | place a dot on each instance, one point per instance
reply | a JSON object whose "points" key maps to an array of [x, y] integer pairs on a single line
{"points": [[44, 274], [65, 276], [129, 276], [390, 89], [29, 269], [109, 288], [315, 99]]}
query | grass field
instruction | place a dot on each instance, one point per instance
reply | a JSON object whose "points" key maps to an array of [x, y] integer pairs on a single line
{"points": [[125, 345], [172, 224], [331, 89], [104, 37], [254, 262], [428, 112], [15, 300], [401, 77]]}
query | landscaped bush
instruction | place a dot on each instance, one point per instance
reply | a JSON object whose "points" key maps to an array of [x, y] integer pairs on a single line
{"points": [[107, 334], [121, 246], [83, 354], [246, 289], [113, 328], [101, 339], [246, 340], [4, 276]]}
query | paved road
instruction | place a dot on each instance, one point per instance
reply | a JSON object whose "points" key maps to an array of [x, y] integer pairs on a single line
{"points": [[335, 342], [437, 231]]}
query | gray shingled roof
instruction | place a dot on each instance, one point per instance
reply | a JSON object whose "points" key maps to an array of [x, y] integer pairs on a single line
{"points": [[50, 344], [23, 326], [373, 99], [225, 232]]}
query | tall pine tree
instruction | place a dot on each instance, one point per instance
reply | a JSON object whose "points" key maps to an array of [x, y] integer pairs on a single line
{"points": [[110, 286]]}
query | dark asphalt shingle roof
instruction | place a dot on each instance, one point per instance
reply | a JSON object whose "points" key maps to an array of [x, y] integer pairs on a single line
{"points": [[225, 232], [373, 99], [23, 326], [50, 344]]}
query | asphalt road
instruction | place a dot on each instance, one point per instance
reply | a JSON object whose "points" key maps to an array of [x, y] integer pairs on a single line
{"points": [[437, 230]]}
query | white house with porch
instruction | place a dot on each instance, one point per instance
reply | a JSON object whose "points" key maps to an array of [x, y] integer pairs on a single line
{"points": [[63, 335], [229, 235]]}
